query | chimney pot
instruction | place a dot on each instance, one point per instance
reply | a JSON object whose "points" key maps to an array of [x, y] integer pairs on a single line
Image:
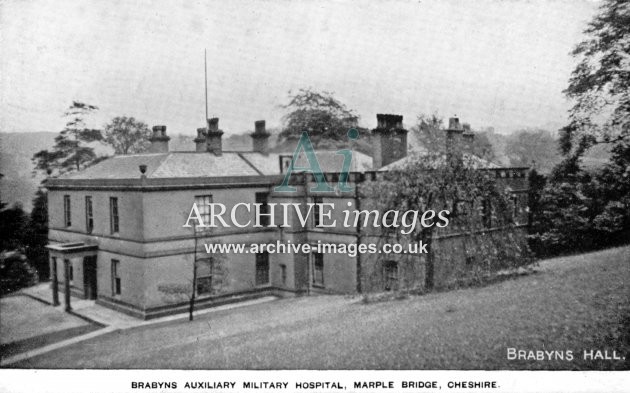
{"points": [[213, 124], [389, 140], [387, 121], [260, 127], [453, 124], [214, 143], [454, 135], [159, 140], [260, 137], [200, 140], [468, 136]]}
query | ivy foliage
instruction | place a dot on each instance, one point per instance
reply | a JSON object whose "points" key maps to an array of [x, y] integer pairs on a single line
{"points": [[469, 248]]}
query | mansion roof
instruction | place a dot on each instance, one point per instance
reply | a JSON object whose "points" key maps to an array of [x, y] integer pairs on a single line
{"points": [[203, 164]]}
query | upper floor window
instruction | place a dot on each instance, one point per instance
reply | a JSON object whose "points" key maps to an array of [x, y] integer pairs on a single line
{"points": [[203, 205], [317, 201], [113, 215], [89, 214], [67, 214], [263, 199]]}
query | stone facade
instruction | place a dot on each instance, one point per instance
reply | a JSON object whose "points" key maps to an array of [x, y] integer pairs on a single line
{"points": [[133, 243]]}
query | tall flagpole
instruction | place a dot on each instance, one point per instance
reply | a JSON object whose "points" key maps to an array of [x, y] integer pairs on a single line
{"points": [[205, 69]]}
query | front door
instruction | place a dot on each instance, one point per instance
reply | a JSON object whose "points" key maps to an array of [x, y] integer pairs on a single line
{"points": [[89, 277]]}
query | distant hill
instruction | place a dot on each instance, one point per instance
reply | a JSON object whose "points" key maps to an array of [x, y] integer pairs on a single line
{"points": [[16, 150]]}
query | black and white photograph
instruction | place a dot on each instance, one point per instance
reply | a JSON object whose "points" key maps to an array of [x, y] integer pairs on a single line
{"points": [[314, 196]]}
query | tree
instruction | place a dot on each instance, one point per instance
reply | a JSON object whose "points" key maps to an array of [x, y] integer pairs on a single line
{"points": [[15, 272], [70, 151], [320, 114], [127, 135], [430, 132], [588, 209], [13, 225], [582, 211], [532, 147], [600, 83], [2, 204], [37, 234]]}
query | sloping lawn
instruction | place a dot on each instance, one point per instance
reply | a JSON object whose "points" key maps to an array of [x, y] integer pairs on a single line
{"points": [[572, 303], [26, 323]]}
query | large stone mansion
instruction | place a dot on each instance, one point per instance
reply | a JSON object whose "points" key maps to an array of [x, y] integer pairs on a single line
{"points": [[116, 229]]}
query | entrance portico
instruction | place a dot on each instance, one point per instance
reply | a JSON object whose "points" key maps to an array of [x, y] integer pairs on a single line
{"points": [[71, 258]]}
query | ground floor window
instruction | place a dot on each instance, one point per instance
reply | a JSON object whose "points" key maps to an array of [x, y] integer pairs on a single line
{"points": [[262, 268], [390, 275], [116, 287], [204, 285], [205, 271], [318, 269]]}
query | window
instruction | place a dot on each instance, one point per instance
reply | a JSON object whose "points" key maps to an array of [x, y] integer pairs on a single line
{"points": [[262, 198], [205, 271], [318, 269], [514, 206], [390, 275], [113, 215], [262, 268], [203, 205], [283, 269], [486, 213], [67, 215], [316, 209], [115, 277], [89, 216]]}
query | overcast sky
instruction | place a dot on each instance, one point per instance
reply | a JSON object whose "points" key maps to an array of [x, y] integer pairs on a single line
{"points": [[493, 63]]}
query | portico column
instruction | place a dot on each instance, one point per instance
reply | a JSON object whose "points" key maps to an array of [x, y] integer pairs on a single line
{"points": [[55, 282], [67, 283]]}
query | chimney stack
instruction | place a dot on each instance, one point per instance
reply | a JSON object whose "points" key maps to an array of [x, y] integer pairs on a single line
{"points": [[260, 137], [200, 140], [468, 137], [213, 137], [389, 139], [453, 135], [159, 140]]}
